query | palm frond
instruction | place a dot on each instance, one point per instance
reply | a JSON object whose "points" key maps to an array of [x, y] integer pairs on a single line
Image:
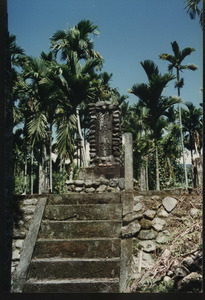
{"points": [[180, 83], [90, 65], [141, 91], [169, 57], [58, 35], [150, 68], [65, 136], [37, 127], [191, 67], [185, 52], [175, 48], [86, 26]]}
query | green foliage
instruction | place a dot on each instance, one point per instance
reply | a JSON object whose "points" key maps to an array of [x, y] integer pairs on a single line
{"points": [[18, 184], [59, 185]]}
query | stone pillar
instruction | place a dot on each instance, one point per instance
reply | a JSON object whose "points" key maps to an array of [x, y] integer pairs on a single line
{"points": [[105, 134], [128, 161]]}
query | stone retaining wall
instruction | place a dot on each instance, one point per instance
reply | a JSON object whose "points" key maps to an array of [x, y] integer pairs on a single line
{"points": [[23, 213], [147, 221], [100, 185]]}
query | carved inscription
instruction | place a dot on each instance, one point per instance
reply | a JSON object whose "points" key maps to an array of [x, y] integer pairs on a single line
{"points": [[104, 131]]}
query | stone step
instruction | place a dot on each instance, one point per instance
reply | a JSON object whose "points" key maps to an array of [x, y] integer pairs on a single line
{"points": [[84, 212], [86, 248], [84, 198], [102, 285], [50, 268], [79, 229]]}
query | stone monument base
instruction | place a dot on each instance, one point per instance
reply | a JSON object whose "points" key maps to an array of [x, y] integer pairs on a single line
{"points": [[98, 180], [108, 172]]}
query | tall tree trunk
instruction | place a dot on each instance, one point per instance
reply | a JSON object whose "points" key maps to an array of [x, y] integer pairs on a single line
{"points": [[146, 172], [171, 173], [71, 172], [192, 169], [43, 171], [50, 162], [40, 179], [32, 171], [61, 164], [85, 163], [157, 166], [182, 138], [25, 175]]}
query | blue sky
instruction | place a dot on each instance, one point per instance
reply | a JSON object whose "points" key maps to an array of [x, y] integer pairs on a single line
{"points": [[130, 31]]}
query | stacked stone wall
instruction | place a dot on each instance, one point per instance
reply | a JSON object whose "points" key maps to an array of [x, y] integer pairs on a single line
{"points": [[23, 211], [100, 185], [148, 218]]}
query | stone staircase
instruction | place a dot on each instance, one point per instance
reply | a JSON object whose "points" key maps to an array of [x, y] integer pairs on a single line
{"points": [[78, 247]]}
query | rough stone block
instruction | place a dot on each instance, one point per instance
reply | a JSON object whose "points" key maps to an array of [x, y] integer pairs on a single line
{"points": [[148, 246], [79, 189], [19, 243], [121, 183], [150, 214], [132, 216], [162, 238], [113, 182], [90, 190], [147, 261], [169, 203], [16, 255], [158, 224], [30, 201], [162, 213], [137, 207], [69, 182], [103, 180], [88, 183], [138, 198], [101, 189], [96, 183], [131, 229], [145, 223], [79, 183], [194, 212], [147, 234]]}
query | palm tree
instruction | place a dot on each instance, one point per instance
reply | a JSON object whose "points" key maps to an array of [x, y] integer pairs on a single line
{"points": [[75, 83], [176, 63], [192, 127], [150, 96], [35, 70], [193, 10], [75, 45], [17, 55], [76, 40]]}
